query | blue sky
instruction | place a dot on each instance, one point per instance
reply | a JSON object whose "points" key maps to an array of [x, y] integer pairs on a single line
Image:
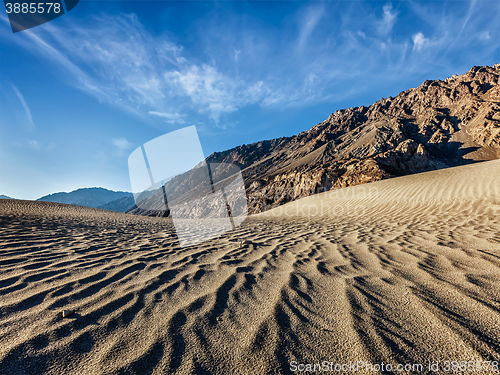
{"points": [[80, 93]]}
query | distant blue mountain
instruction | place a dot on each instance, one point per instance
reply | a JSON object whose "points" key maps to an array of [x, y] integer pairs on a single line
{"points": [[5, 197], [88, 197], [119, 205]]}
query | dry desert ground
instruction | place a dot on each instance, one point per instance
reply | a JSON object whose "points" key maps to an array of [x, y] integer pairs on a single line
{"points": [[401, 271]]}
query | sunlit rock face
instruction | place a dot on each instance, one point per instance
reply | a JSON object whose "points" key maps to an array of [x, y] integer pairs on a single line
{"points": [[436, 125]]}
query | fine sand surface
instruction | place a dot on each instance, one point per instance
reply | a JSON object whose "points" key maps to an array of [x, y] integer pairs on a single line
{"points": [[402, 271]]}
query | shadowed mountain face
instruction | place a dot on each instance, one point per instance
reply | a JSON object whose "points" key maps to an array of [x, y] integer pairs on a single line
{"points": [[436, 125], [5, 197], [119, 205], [88, 197]]}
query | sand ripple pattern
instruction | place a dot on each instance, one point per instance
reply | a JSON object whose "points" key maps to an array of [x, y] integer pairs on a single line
{"points": [[411, 280]]}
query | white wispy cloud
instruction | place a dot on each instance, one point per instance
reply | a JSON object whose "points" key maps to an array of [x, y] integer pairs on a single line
{"points": [[121, 143], [419, 41], [485, 35], [171, 118], [118, 60], [304, 61], [27, 111], [35, 145], [311, 19], [236, 54], [387, 23], [213, 92]]}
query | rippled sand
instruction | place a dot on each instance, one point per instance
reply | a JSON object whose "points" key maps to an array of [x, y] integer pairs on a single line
{"points": [[398, 271]]}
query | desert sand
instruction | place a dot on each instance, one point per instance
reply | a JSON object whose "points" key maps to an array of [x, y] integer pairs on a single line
{"points": [[400, 271]]}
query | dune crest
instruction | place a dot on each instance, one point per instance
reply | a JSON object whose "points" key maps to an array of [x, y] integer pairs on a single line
{"points": [[411, 276]]}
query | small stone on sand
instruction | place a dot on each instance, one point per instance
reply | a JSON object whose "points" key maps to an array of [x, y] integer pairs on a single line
{"points": [[67, 313]]}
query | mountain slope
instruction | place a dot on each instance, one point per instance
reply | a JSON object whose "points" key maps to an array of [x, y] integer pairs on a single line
{"points": [[119, 205], [88, 197], [5, 197], [436, 125]]}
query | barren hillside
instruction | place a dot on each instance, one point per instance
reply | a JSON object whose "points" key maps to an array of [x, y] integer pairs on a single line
{"points": [[436, 125]]}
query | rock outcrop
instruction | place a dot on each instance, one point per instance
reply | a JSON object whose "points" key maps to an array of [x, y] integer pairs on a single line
{"points": [[436, 125]]}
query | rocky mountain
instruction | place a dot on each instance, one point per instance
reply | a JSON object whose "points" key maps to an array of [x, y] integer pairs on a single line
{"points": [[119, 205], [438, 124], [5, 197], [88, 197]]}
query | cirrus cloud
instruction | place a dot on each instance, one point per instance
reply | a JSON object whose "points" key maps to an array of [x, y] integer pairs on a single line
{"points": [[322, 53]]}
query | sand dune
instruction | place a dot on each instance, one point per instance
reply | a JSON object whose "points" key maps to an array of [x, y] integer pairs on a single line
{"points": [[401, 271]]}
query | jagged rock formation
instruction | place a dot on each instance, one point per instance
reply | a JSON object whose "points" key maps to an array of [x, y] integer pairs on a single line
{"points": [[436, 125]]}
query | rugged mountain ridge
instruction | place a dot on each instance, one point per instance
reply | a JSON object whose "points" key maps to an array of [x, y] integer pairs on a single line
{"points": [[87, 197], [436, 125], [119, 205]]}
